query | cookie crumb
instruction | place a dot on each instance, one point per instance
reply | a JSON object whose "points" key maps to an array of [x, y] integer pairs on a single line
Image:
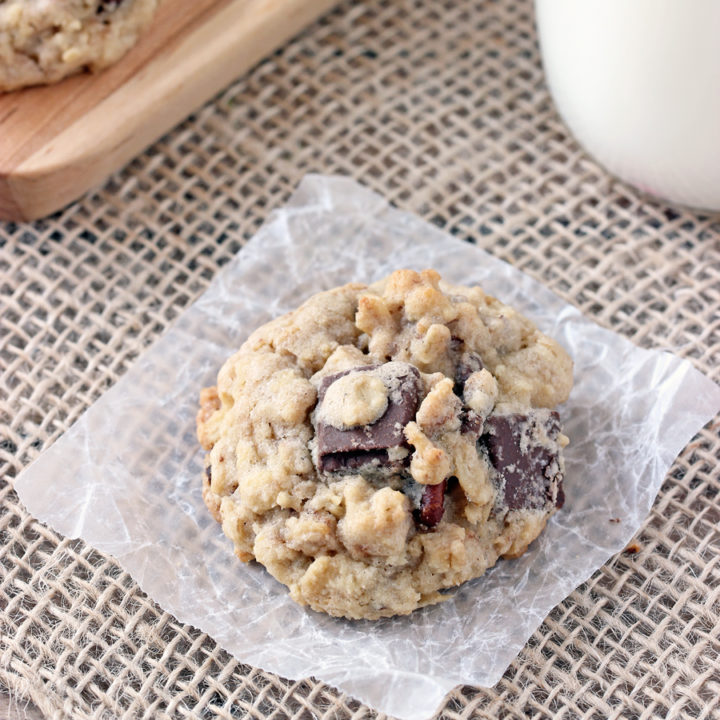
{"points": [[632, 549]]}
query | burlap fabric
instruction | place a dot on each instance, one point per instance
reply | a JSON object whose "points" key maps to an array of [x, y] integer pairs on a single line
{"points": [[442, 108]]}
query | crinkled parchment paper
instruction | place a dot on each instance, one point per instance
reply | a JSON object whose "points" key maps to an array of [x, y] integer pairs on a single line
{"points": [[127, 476]]}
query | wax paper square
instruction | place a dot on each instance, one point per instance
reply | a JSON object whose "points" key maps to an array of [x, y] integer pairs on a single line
{"points": [[127, 476]]}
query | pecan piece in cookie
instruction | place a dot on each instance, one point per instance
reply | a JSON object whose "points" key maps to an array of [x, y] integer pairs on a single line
{"points": [[432, 504], [343, 446]]}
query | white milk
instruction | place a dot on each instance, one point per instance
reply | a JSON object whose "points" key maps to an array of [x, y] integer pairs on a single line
{"points": [[638, 83]]}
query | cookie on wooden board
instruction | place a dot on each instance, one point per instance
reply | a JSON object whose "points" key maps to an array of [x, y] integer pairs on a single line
{"points": [[43, 41]]}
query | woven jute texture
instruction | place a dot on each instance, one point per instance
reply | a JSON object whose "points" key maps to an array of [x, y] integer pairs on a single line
{"points": [[441, 107]]}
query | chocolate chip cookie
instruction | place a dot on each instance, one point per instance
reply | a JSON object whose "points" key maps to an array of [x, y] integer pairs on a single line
{"points": [[384, 443], [43, 41]]}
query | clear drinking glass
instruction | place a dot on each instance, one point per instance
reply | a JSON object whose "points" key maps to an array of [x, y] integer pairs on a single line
{"points": [[638, 84]]}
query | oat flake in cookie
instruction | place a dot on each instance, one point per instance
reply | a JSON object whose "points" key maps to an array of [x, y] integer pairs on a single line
{"points": [[43, 41], [380, 444]]}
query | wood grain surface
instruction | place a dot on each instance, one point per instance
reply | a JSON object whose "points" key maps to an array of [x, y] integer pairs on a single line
{"points": [[56, 142]]}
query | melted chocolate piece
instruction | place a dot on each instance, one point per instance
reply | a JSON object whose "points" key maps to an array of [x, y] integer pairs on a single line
{"points": [[523, 450], [432, 504], [107, 6], [472, 423], [353, 460], [328, 380], [468, 363], [367, 445]]}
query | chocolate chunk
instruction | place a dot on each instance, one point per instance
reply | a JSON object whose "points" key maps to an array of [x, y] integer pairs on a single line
{"points": [[328, 380], [355, 448], [472, 423], [524, 452], [469, 363], [107, 5], [353, 460], [432, 504], [208, 474]]}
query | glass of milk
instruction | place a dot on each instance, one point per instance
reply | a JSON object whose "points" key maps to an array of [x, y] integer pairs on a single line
{"points": [[638, 83]]}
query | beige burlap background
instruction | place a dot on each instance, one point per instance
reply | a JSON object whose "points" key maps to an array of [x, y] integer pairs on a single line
{"points": [[441, 107]]}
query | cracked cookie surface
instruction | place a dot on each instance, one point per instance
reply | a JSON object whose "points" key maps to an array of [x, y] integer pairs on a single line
{"points": [[43, 41], [384, 443]]}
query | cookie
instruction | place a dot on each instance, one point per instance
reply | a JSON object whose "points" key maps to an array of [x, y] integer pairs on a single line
{"points": [[382, 444], [43, 41]]}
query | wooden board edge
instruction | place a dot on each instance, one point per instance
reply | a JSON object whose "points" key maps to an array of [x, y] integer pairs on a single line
{"points": [[63, 170], [9, 207]]}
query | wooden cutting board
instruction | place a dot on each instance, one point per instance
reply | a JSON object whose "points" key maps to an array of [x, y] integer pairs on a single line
{"points": [[56, 142]]}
